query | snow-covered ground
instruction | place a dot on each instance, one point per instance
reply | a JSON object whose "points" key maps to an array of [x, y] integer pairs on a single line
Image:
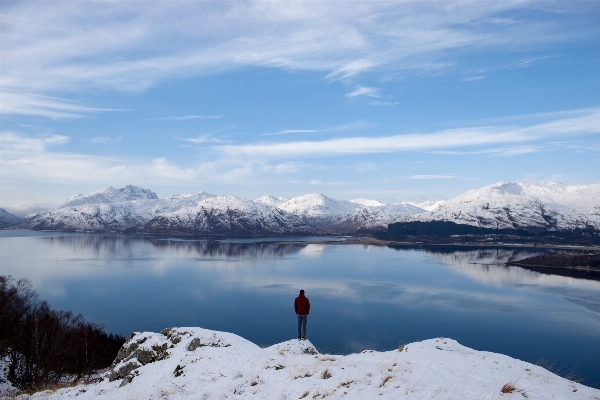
{"points": [[195, 363]]}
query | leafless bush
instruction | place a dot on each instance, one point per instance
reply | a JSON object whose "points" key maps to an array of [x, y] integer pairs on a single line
{"points": [[508, 388], [45, 347]]}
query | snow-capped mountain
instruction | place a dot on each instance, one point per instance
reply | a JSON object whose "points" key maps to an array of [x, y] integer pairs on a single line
{"points": [[524, 205], [367, 202], [110, 195], [230, 215], [319, 210], [342, 216], [376, 218], [272, 200], [110, 209], [429, 205], [7, 219]]}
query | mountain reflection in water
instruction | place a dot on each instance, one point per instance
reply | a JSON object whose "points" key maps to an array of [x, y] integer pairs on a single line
{"points": [[363, 296]]}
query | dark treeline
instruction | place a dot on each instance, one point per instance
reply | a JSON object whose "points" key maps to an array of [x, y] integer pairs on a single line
{"points": [[44, 346], [450, 232]]}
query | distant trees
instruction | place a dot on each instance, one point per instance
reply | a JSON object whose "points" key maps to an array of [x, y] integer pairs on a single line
{"points": [[44, 346]]}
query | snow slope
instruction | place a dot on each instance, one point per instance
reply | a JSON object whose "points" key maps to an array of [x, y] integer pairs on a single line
{"points": [[374, 218], [7, 219], [342, 216], [195, 363], [230, 215], [271, 200], [428, 205], [547, 206], [367, 202]]}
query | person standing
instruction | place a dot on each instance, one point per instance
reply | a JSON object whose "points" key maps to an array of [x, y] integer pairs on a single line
{"points": [[302, 308]]}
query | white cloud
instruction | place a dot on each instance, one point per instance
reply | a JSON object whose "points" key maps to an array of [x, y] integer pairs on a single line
{"points": [[46, 57], [12, 142], [451, 138], [364, 91]]}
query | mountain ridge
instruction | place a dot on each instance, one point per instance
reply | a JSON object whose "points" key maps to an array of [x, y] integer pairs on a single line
{"points": [[541, 206]]}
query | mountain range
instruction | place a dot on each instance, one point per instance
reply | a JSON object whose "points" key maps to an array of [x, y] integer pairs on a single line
{"points": [[504, 205]]}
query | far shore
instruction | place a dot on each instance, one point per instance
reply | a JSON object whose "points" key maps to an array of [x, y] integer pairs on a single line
{"points": [[380, 242]]}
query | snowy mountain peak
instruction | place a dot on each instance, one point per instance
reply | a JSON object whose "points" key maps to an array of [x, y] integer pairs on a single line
{"points": [[110, 195], [316, 205], [367, 202], [272, 200], [190, 197]]}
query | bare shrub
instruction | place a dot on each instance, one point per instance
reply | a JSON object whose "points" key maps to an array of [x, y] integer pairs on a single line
{"points": [[385, 380], [44, 347], [508, 388], [326, 374]]}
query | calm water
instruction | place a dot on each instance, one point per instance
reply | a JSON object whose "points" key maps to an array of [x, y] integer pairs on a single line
{"points": [[363, 297]]}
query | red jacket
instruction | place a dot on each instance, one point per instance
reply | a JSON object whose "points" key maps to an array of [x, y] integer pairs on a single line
{"points": [[302, 305]]}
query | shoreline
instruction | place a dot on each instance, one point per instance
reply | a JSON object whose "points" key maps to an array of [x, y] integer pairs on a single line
{"points": [[380, 242]]}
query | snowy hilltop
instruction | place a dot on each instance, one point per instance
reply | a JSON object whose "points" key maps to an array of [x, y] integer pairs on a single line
{"points": [[504, 205], [195, 363], [522, 205]]}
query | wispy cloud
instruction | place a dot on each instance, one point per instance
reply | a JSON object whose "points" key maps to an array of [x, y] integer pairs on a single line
{"points": [[451, 138], [45, 53], [364, 91], [203, 139], [291, 131], [186, 117], [22, 103], [474, 78], [500, 151]]}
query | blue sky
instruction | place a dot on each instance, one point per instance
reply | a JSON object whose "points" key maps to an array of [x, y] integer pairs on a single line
{"points": [[399, 101]]}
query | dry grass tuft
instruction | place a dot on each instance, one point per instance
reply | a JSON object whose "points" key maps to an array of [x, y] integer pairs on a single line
{"points": [[508, 388], [400, 348], [385, 380], [304, 394], [326, 374], [253, 383]]}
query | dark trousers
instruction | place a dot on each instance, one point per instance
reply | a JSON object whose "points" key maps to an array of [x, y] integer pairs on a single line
{"points": [[302, 325]]}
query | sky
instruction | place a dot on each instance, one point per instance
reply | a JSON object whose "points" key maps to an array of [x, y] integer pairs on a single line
{"points": [[394, 101]]}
